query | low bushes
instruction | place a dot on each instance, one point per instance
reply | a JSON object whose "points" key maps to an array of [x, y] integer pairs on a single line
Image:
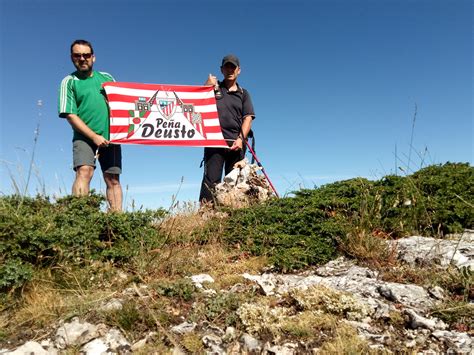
{"points": [[294, 233], [38, 233], [306, 229]]}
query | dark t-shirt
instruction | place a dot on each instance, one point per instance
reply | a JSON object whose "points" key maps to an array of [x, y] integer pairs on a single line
{"points": [[232, 108]]}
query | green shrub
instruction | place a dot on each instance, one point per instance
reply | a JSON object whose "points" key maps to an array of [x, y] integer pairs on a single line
{"points": [[37, 233], [222, 308], [292, 232], [435, 200], [305, 229], [182, 289], [13, 274], [448, 194]]}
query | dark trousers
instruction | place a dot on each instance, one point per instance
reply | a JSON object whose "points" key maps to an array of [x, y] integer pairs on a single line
{"points": [[215, 160]]}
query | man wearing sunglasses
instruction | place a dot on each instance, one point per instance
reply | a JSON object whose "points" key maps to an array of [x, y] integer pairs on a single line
{"points": [[83, 104], [236, 114]]}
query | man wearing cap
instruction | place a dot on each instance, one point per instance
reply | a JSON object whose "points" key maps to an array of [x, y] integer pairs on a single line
{"points": [[236, 114]]}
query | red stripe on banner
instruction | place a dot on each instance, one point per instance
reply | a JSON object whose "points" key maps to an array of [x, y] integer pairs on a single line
{"points": [[213, 129], [125, 113], [190, 143], [118, 129], [124, 129], [139, 86], [132, 99]]}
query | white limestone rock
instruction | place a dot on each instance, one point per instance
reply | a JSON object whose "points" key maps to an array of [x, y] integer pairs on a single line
{"points": [[418, 250], [250, 344], [75, 333], [113, 304], [183, 328], [198, 280], [243, 186], [418, 321], [30, 347], [96, 347]]}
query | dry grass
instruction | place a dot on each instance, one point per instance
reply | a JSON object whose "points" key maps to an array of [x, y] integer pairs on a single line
{"points": [[309, 325], [371, 249], [192, 247], [346, 341], [43, 304], [183, 223], [179, 260]]}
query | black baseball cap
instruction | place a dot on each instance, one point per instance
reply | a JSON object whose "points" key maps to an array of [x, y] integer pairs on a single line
{"points": [[230, 58]]}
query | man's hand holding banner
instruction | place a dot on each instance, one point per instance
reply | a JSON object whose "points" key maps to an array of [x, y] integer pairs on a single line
{"points": [[156, 114]]}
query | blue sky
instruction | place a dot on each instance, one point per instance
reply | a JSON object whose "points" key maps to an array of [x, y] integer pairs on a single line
{"points": [[334, 84]]}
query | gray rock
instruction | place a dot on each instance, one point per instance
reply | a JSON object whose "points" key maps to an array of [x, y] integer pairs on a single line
{"points": [[116, 341], [367, 289], [437, 292], [358, 281], [423, 250], [285, 349], [113, 304], [214, 344], [265, 281], [138, 345], [250, 344], [30, 347], [198, 280], [96, 347], [417, 321], [371, 333], [212, 329], [242, 186], [379, 299], [183, 328], [342, 266], [230, 334], [456, 342], [387, 292], [75, 333]]}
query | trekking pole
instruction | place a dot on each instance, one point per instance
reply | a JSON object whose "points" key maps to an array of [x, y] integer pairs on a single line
{"points": [[261, 166]]}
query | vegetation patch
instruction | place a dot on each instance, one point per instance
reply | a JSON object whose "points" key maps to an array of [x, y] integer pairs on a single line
{"points": [[66, 258], [322, 299], [260, 317], [38, 233], [311, 227]]}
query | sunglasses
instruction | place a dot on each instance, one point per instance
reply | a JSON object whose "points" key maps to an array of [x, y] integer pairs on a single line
{"points": [[81, 55]]}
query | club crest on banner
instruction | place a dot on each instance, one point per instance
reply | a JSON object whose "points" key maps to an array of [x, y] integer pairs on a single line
{"points": [[167, 106]]}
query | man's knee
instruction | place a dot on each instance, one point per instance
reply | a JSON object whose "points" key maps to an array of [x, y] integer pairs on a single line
{"points": [[84, 172], [112, 180]]}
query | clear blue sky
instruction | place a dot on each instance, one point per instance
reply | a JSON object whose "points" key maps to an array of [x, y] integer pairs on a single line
{"points": [[334, 85]]}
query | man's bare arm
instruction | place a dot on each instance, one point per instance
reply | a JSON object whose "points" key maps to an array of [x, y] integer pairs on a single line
{"points": [[246, 126], [79, 125]]}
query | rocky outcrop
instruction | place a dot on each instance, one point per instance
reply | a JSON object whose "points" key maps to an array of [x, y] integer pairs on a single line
{"points": [[89, 338], [355, 294], [418, 250], [243, 186]]}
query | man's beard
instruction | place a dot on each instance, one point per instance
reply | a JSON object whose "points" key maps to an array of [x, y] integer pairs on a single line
{"points": [[84, 70]]}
